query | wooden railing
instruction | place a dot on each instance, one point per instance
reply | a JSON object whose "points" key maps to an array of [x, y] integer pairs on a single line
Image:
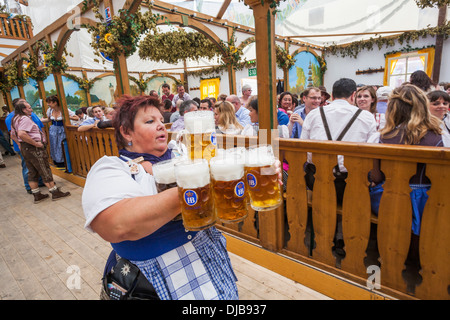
{"points": [[15, 28], [382, 242]]}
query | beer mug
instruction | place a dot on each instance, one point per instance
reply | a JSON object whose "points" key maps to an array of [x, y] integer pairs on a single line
{"points": [[164, 174], [262, 180], [194, 191], [199, 135], [228, 188]]}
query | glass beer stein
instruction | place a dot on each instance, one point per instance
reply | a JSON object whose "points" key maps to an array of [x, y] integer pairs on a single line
{"points": [[228, 188], [199, 135], [194, 190], [262, 180]]}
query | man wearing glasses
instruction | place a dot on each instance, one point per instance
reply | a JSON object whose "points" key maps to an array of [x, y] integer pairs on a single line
{"points": [[312, 100]]}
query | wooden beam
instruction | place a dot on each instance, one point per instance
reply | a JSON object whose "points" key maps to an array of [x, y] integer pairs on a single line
{"points": [[439, 46], [224, 8]]}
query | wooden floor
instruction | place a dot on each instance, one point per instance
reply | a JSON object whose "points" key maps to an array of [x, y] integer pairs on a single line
{"points": [[46, 254]]}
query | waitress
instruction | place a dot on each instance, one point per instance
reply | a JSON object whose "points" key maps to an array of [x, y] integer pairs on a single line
{"points": [[56, 131]]}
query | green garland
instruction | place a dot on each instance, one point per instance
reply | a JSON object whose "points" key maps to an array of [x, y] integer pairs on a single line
{"points": [[354, 48], [233, 53], [422, 4], [11, 71], [174, 46], [284, 59], [84, 84], [52, 64], [141, 83], [121, 35], [33, 71]]}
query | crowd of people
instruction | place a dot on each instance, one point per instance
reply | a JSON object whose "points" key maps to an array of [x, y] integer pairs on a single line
{"points": [[181, 264]]}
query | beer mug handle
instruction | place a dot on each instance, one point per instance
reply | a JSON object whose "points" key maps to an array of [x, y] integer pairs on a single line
{"points": [[181, 148]]}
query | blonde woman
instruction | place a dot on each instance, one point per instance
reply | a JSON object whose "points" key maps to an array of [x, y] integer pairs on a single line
{"points": [[409, 122], [225, 117]]}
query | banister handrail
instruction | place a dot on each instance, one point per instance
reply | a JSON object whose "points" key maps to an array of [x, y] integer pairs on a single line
{"points": [[283, 230], [15, 27]]}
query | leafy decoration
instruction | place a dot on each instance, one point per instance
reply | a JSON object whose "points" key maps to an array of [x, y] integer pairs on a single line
{"points": [[52, 64], [422, 4], [175, 46], [13, 78], [33, 71], [284, 59], [354, 48], [84, 84], [141, 83], [121, 34]]}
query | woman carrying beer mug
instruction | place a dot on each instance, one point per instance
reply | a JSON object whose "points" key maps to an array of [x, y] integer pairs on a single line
{"points": [[121, 204]]}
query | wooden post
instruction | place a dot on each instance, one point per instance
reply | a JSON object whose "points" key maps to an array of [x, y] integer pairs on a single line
{"points": [[270, 222], [266, 64], [439, 45], [231, 71], [41, 91], [88, 93]]}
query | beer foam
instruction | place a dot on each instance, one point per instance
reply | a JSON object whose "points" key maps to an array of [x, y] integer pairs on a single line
{"points": [[199, 122], [227, 168], [260, 156], [164, 171], [192, 174]]}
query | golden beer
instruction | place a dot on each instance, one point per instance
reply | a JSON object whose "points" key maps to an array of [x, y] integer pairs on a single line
{"points": [[199, 135], [228, 189], [194, 191], [201, 145], [262, 180]]}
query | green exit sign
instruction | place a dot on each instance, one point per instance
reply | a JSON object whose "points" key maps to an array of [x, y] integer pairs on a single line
{"points": [[252, 72]]}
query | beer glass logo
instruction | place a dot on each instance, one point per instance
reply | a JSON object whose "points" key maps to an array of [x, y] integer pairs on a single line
{"points": [[190, 197], [213, 138], [239, 190], [251, 179]]}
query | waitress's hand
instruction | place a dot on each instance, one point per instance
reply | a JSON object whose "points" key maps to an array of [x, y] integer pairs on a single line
{"points": [[278, 170]]}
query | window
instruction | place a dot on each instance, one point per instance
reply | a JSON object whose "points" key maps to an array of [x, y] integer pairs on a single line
{"points": [[400, 66]]}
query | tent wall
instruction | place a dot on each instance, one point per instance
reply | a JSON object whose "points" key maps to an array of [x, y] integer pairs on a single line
{"points": [[347, 67]]}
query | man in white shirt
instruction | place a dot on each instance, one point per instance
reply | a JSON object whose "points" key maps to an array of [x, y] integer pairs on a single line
{"points": [[181, 95], [338, 115], [242, 113]]}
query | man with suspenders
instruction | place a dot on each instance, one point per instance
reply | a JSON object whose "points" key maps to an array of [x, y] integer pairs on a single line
{"points": [[341, 120]]}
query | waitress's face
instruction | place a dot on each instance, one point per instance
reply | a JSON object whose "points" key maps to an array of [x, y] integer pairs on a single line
{"points": [[150, 134]]}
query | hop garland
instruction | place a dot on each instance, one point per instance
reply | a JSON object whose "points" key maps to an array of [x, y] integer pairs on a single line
{"points": [[121, 35], [52, 64], [354, 48], [84, 84], [284, 59], [11, 71], [141, 83], [233, 53], [422, 4], [174, 46], [33, 71]]}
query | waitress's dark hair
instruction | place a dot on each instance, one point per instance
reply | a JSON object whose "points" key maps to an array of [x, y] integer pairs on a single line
{"points": [[126, 113], [53, 98]]}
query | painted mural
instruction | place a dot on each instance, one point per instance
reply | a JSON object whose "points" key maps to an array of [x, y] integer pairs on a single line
{"points": [[305, 73], [75, 96]]}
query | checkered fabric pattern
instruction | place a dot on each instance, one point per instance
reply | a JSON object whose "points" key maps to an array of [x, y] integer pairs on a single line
{"points": [[169, 275]]}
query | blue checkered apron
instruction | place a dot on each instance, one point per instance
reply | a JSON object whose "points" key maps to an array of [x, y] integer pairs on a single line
{"points": [[199, 270]]}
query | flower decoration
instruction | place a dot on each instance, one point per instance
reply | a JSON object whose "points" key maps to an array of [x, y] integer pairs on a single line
{"points": [[13, 78], [233, 54], [284, 59], [121, 34], [51, 62]]}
